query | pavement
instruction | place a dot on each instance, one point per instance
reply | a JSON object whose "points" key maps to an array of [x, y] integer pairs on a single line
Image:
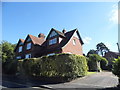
{"points": [[100, 80]]}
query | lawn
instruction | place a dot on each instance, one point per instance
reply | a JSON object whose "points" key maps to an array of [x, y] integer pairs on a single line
{"points": [[90, 73]]}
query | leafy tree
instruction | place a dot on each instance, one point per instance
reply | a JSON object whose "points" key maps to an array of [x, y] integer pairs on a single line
{"points": [[7, 51], [101, 47], [8, 62], [92, 51]]}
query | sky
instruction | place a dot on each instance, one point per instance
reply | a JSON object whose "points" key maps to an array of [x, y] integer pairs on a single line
{"points": [[95, 21]]}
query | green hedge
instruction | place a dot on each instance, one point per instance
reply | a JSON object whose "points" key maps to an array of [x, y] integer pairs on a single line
{"points": [[59, 65], [116, 67]]}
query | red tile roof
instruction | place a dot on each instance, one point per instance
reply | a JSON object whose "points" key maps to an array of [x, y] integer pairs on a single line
{"points": [[22, 40], [36, 40]]}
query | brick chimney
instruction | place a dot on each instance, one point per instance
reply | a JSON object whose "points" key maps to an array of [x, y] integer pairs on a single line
{"points": [[64, 31], [41, 35]]}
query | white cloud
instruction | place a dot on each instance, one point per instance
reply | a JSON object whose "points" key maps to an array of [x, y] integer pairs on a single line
{"points": [[114, 14], [87, 40]]}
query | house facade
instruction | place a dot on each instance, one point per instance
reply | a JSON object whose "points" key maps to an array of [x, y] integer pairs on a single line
{"points": [[56, 42]]}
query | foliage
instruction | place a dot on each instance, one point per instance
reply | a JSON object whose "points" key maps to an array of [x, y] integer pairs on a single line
{"points": [[8, 62], [116, 67], [91, 52], [95, 61], [59, 65], [103, 63], [101, 47]]}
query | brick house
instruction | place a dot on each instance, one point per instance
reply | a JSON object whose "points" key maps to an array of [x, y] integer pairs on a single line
{"points": [[56, 42]]}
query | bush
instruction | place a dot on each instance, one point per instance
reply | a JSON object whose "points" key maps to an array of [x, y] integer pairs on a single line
{"points": [[116, 67], [9, 67], [59, 65], [103, 63]]}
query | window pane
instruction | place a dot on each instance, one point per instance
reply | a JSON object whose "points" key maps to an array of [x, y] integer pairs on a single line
{"points": [[29, 46], [20, 49]]}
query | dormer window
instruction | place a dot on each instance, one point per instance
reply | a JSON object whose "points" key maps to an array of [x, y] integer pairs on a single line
{"points": [[28, 46], [20, 49], [53, 41], [53, 33]]}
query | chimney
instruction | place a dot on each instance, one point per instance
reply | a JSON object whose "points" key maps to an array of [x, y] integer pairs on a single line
{"points": [[64, 31], [41, 35], [118, 47]]}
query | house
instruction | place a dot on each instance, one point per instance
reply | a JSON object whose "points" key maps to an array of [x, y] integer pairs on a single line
{"points": [[56, 42]]}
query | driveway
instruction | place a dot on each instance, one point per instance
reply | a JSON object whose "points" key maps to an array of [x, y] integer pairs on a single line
{"points": [[98, 80]]}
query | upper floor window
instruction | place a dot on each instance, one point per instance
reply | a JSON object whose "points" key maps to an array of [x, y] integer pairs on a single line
{"points": [[53, 33], [74, 42], [28, 39], [52, 41], [28, 56], [20, 49], [20, 43], [28, 46]]}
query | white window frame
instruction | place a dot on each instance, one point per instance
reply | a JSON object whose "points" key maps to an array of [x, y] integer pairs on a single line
{"points": [[28, 56], [28, 46], [20, 49], [18, 57], [53, 41], [74, 42]]}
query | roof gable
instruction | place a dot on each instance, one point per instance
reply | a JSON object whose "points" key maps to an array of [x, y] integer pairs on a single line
{"points": [[20, 42], [35, 40], [55, 32]]}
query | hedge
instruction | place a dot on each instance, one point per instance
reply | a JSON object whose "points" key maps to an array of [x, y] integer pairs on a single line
{"points": [[96, 62], [59, 65]]}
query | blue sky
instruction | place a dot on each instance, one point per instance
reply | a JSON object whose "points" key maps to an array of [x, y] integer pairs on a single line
{"points": [[96, 21]]}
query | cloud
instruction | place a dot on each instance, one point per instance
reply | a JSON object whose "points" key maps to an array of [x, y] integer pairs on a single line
{"points": [[87, 40], [113, 16]]}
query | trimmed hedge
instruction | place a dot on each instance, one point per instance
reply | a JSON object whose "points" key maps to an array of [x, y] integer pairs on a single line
{"points": [[96, 62], [59, 65]]}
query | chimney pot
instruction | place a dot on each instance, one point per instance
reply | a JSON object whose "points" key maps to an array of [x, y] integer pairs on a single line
{"points": [[41, 35], [64, 31]]}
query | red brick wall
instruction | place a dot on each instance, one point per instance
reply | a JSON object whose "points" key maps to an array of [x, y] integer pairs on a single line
{"points": [[74, 49]]}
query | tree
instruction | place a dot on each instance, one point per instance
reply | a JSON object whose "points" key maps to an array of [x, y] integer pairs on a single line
{"points": [[101, 48], [8, 62], [92, 51]]}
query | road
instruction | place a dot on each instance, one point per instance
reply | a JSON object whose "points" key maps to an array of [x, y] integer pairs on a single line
{"points": [[99, 80]]}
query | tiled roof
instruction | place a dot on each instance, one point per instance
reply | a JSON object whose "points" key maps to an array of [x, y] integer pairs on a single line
{"points": [[36, 40], [60, 33], [22, 40]]}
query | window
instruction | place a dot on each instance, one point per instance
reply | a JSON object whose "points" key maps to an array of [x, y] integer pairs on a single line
{"points": [[51, 54], [20, 49], [20, 43], [18, 57], [28, 46], [74, 42], [52, 41], [53, 33], [60, 39], [28, 56], [28, 39]]}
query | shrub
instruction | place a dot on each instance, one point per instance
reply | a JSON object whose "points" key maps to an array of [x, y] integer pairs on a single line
{"points": [[116, 69], [9, 67], [93, 62], [59, 65], [103, 63]]}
